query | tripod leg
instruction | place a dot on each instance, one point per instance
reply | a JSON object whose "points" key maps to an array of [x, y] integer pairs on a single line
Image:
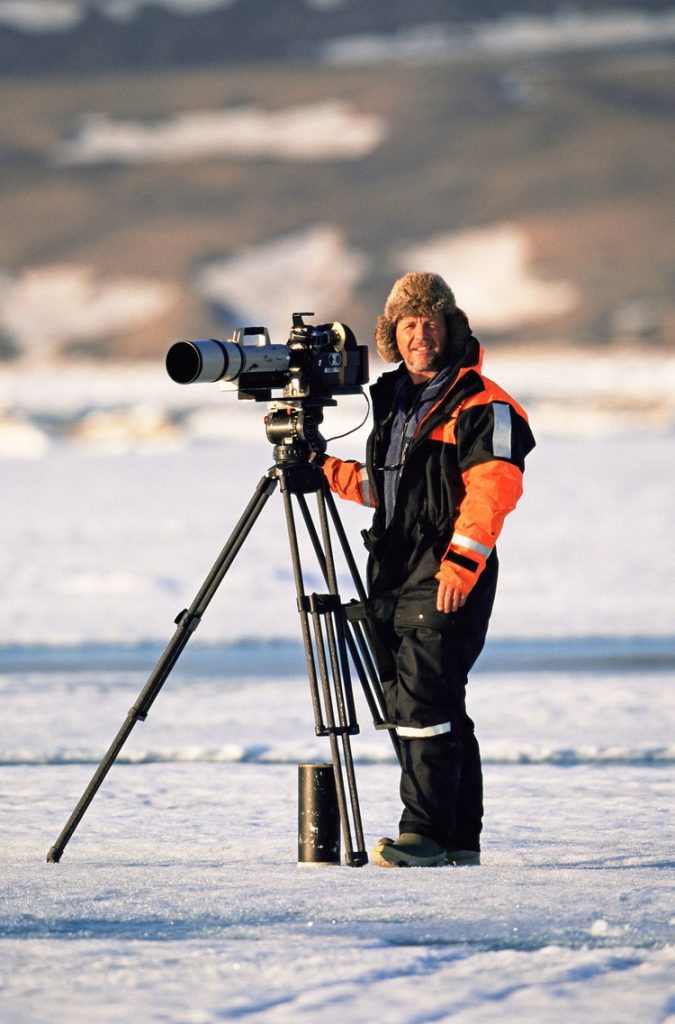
{"points": [[330, 607], [318, 607], [187, 622], [359, 639]]}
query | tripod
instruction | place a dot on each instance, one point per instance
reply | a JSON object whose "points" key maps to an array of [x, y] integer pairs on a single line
{"points": [[336, 631]]}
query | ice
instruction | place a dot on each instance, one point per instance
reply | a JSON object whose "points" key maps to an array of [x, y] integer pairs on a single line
{"points": [[101, 568], [179, 898]]}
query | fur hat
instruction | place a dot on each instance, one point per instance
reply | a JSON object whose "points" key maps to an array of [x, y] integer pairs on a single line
{"points": [[413, 294]]}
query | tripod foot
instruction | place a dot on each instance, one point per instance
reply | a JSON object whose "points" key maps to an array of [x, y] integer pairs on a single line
{"points": [[54, 855]]}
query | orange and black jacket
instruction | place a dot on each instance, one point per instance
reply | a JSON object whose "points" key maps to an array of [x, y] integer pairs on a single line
{"points": [[461, 477]]}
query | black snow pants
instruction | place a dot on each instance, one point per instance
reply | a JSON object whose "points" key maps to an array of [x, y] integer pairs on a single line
{"points": [[424, 674]]}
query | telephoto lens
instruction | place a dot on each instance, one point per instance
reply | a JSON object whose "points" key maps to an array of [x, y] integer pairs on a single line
{"points": [[197, 362]]}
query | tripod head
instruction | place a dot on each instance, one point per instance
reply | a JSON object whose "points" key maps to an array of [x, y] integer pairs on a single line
{"points": [[292, 426]]}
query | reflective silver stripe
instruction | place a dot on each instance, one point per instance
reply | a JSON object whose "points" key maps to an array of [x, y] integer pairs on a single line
{"points": [[366, 492], [473, 545], [417, 732], [501, 434]]}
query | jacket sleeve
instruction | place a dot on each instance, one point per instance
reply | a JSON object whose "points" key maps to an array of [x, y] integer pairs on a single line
{"points": [[348, 479], [493, 437]]}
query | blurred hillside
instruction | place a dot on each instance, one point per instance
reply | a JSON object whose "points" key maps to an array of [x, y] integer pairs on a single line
{"points": [[186, 168], [76, 36]]}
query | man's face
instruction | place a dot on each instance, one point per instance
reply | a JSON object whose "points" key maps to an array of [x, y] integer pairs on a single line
{"points": [[423, 343]]}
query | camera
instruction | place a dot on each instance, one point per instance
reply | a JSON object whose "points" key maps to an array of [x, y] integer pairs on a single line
{"points": [[316, 363]]}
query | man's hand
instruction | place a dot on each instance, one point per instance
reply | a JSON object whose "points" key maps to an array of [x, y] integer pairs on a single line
{"points": [[317, 453], [450, 598], [457, 576]]}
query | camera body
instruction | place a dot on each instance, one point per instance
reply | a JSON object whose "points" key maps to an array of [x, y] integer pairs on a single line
{"points": [[316, 363]]}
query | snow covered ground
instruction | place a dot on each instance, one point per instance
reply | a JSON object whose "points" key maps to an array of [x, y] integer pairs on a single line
{"points": [[179, 898]]}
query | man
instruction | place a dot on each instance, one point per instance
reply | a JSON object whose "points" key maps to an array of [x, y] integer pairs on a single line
{"points": [[444, 467]]}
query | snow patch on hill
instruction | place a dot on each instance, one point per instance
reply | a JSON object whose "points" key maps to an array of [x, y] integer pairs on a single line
{"points": [[45, 307], [314, 132], [267, 282], [492, 277], [516, 34]]}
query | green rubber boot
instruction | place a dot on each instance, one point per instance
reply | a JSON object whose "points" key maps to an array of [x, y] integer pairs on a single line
{"points": [[409, 851]]}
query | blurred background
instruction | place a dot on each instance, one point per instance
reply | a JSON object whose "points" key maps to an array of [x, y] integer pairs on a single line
{"points": [[178, 168]]}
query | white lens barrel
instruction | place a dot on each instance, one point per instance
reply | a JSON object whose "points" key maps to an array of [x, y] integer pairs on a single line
{"points": [[190, 362], [208, 360], [232, 361]]}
